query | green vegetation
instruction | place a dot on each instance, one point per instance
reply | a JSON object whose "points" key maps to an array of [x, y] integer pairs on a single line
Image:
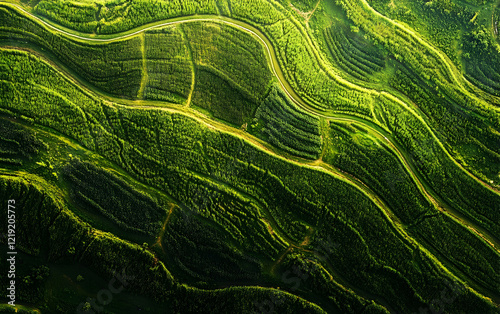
{"points": [[465, 251], [367, 158], [168, 66], [224, 100], [113, 67], [102, 192], [463, 117], [232, 75], [459, 189], [287, 127], [385, 280], [353, 53], [201, 251], [17, 144], [460, 121], [464, 30], [479, 44], [117, 15], [231, 52], [230, 190], [252, 155], [360, 154]]}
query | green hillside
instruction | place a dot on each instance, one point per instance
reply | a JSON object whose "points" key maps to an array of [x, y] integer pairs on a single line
{"points": [[250, 156]]}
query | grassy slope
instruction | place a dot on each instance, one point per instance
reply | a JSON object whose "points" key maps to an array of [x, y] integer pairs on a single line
{"points": [[134, 148], [376, 189]]}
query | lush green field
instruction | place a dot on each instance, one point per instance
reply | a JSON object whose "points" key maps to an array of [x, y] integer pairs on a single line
{"points": [[251, 156]]}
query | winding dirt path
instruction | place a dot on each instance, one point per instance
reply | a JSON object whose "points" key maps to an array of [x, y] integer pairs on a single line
{"points": [[159, 239], [305, 15]]}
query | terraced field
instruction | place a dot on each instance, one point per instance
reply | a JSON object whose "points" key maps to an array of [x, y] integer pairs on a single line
{"points": [[251, 156]]}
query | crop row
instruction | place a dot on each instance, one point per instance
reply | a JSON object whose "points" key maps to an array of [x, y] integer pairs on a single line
{"points": [[445, 24], [168, 66], [298, 60], [118, 15], [349, 56], [467, 252], [139, 145], [288, 127], [161, 62], [17, 143], [484, 74], [204, 253], [69, 14], [309, 265], [58, 236], [480, 75], [221, 97], [405, 142], [365, 158], [102, 192], [302, 71], [115, 67], [232, 52], [384, 280], [308, 79], [347, 101]]}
